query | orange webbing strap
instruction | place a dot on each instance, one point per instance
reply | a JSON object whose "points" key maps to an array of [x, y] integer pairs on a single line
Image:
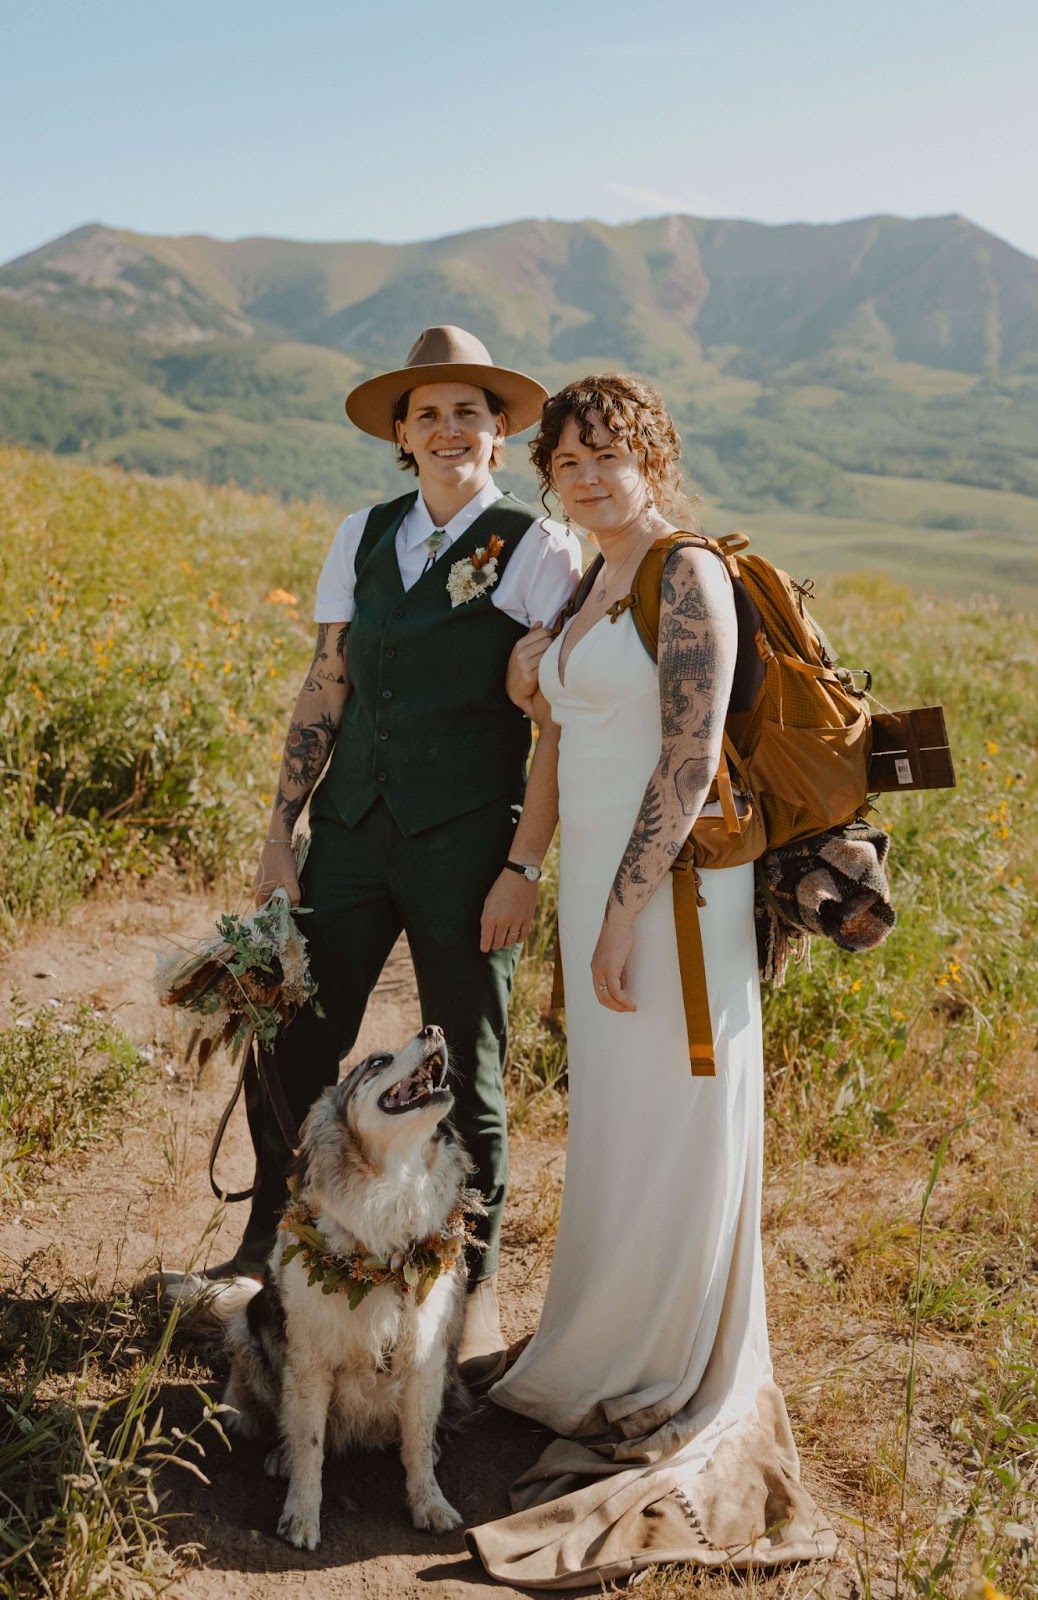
{"points": [[558, 993], [693, 973], [727, 799], [693, 970]]}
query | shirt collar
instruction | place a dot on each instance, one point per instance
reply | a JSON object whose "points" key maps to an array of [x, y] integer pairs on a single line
{"points": [[418, 524]]}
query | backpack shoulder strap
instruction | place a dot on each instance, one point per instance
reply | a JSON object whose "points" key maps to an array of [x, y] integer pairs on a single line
{"points": [[580, 594], [646, 587]]}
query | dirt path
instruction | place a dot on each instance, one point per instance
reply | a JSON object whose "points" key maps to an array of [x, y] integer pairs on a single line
{"points": [[143, 1199]]}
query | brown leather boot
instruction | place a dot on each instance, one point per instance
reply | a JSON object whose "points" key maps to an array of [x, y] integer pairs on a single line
{"points": [[482, 1356]]}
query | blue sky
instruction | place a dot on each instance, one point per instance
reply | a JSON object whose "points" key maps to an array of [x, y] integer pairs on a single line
{"points": [[347, 119]]}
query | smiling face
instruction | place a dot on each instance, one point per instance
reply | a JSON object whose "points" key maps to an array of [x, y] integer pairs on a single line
{"points": [[451, 432], [601, 484]]}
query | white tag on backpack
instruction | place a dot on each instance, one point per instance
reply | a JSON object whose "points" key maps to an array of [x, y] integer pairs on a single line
{"points": [[903, 768]]}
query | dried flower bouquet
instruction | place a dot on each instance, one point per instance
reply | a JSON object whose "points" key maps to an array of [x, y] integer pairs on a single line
{"points": [[254, 976]]}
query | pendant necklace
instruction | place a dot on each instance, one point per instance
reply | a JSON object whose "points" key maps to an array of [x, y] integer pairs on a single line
{"points": [[600, 594]]}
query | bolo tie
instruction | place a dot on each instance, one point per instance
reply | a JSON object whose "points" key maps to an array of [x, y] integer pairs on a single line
{"points": [[433, 542]]}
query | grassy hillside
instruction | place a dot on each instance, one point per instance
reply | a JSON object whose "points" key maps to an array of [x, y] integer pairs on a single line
{"points": [[826, 372], [157, 632], [148, 659]]}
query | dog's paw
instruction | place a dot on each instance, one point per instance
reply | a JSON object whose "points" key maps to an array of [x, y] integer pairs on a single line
{"points": [[274, 1463], [435, 1514], [300, 1528]]}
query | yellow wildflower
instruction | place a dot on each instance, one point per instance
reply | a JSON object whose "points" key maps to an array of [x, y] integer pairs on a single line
{"points": [[982, 1589], [991, 747], [281, 597]]}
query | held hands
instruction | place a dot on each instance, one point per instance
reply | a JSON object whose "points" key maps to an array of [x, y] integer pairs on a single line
{"points": [[521, 676], [507, 911], [609, 962], [277, 869]]}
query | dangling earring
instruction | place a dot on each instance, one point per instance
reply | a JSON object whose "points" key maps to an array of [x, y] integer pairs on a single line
{"points": [[650, 503], [565, 517]]}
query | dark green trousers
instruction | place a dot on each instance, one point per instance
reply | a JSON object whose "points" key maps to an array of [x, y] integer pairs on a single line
{"points": [[363, 886]]}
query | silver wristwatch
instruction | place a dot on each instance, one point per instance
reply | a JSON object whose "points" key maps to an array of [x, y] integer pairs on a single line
{"points": [[531, 874]]}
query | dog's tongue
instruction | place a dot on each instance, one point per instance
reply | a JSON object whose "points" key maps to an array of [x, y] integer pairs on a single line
{"points": [[416, 1087]]}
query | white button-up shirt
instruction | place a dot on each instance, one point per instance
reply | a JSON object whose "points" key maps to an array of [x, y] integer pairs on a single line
{"points": [[539, 579]]}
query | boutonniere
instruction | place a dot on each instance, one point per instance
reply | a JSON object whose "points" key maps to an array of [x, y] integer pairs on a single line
{"points": [[471, 578]]}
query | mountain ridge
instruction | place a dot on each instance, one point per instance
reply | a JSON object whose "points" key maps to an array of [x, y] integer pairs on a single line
{"points": [[943, 291], [825, 371]]}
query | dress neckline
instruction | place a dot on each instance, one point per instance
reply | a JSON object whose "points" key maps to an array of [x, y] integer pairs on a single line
{"points": [[560, 666]]}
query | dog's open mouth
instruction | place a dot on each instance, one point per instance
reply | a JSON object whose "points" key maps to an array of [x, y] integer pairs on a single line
{"points": [[426, 1085]]}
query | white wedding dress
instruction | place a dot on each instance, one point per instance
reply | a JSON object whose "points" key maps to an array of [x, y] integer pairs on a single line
{"points": [[652, 1348]]}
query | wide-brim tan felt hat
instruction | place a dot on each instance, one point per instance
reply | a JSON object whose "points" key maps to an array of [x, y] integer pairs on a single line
{"points": [[445, 355]]}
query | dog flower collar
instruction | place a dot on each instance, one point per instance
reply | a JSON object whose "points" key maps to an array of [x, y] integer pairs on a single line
{"points": [[412, 1271]]}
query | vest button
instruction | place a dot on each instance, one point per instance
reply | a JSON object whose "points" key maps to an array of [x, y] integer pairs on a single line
{"points": [[383, 734], [390, 653], [387, 694], [380, 777], [398, 613]]}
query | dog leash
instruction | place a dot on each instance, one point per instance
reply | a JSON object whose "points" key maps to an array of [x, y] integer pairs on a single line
{"points": [[258, 1066]]}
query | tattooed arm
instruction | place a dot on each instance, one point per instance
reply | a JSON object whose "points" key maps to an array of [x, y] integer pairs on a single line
{"points": [[311, 734], [697, 647]]}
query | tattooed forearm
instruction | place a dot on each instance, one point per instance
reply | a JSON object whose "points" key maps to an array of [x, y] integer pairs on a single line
{"points": [[307, 749], [322, 668], [289, 810], [314, 726], [697, 645], [647, 830]]}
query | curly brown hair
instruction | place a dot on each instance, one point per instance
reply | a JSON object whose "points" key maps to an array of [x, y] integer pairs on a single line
{"points": [[406, 461], [634, 412]]}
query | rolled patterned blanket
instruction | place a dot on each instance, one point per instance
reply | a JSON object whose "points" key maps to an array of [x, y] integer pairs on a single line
{"points": [[833, 885]]}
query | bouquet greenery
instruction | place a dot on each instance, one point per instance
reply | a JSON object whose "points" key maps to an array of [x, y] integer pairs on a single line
{"points": [[253, 977]]}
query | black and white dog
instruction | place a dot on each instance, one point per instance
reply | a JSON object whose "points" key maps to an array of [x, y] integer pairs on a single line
{"points": [[352, 1336]]}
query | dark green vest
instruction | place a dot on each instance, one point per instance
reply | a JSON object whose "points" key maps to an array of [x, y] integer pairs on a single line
{"points": [[427, 725]]}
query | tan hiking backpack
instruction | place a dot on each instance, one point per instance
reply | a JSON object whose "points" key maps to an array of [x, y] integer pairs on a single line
{"points": [[797, 731], [797, 740]]}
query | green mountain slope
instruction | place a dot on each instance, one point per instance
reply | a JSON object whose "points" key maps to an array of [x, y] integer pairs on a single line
{"points": [[805, 365]]}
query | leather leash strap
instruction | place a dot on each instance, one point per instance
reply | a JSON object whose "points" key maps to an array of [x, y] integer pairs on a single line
{"points": [[253, 1061]]}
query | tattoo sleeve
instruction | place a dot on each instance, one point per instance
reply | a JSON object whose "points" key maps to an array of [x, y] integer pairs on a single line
{"points": [[697, 647], [314, 725]]}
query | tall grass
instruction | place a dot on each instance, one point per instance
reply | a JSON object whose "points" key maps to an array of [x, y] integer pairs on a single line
{"points": [[917, 1032], [60, 1081], [83, 1444], [153, 637]]}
